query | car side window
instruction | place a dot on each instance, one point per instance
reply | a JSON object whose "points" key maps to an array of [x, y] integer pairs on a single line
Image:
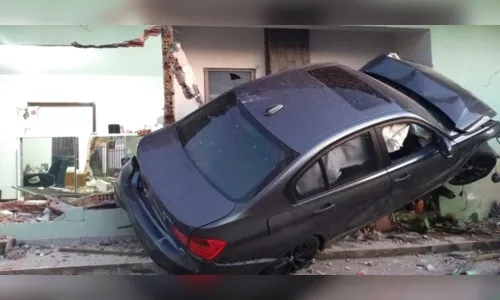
{"points": [[403, 140], [311, 182], [350, 161], [345, 163]]}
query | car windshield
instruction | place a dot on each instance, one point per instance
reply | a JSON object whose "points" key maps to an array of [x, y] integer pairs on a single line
{"points": [[231, 150]]}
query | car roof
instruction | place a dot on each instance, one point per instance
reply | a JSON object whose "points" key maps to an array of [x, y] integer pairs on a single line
{"points": [[314, 108]]}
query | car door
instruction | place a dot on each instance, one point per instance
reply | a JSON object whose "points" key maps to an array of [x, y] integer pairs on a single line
{"points": [[417, 167], [345, 186]]}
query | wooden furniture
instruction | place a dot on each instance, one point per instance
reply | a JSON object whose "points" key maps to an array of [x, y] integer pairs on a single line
{"points": [[69, 179]]}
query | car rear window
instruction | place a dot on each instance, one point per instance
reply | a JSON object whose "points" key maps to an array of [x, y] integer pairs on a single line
{"points": [[234, 153], [353, 90]]}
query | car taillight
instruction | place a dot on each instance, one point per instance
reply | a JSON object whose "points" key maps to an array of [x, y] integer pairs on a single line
{"points": [[207, 249]]}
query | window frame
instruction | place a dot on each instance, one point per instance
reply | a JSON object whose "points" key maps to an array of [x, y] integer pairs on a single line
{"points": [[206, 79], [385, 153], [291, 187]]}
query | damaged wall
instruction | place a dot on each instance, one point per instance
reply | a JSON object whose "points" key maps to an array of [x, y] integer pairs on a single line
{"points": [[115, 79], [470, 55], [219, 47]]}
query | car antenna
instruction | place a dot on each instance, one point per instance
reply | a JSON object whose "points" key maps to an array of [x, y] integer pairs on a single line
{"points": [[271, 110]]}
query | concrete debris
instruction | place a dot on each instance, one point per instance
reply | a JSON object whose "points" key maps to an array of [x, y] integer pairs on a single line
{"points": [[102, 252], [43, 252], [48, 210], [360, 236], [95, 200], [460, 255], [430, 268], [374, 236], [6, 244], [15, 253], [368, 263], [6, 213], [44, 218]]}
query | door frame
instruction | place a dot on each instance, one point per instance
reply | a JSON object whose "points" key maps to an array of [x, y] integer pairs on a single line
{"points": [[71, 104]]}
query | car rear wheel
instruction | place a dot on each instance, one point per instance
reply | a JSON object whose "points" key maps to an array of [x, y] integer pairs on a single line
{"points": [[299, 257], [477, 167]]}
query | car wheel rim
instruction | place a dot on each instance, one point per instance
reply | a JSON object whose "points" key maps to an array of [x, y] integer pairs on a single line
{"points": [[301, 257], [473, 170]]}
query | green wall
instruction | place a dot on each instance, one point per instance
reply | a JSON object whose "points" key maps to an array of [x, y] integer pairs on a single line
{"points": [[470, 55]]}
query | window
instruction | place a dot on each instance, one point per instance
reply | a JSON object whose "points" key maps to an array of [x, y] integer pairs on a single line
{"points": [[311, 182], [233, 153], [348, 162], [403, 140], [219, 81]]}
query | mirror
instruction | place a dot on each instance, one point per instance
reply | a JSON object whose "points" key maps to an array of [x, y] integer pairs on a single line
{"points": [[445, 148]]}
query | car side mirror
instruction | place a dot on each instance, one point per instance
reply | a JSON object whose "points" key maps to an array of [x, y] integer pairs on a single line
{"points": [[445, 148]]}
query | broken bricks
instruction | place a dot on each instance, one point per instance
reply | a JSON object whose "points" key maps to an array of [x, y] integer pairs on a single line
{"points": [[29, 206]]}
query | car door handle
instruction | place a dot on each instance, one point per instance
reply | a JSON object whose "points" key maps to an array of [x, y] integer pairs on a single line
{"points": [[324, 208], [401, 178]]}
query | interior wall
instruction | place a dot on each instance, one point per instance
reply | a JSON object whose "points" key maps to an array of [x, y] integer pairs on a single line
{"points": [[124, 91]]}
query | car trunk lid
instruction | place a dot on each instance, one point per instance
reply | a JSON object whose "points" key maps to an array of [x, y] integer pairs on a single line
{"points": [[459, 106], [172, 188]]}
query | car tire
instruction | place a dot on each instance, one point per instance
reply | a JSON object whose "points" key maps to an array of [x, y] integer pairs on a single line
{"points": [[299, 257], [477, 167]]}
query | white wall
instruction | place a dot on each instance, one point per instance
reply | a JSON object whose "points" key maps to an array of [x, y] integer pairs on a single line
{"points": [[218, 47], [415, 46], [132, 101], [356, 48], [351, 48], [132, 97]]}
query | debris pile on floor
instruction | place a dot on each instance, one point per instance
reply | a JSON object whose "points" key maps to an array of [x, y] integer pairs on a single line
{"points": [[51, 208], [423, 217], [10, 249]]}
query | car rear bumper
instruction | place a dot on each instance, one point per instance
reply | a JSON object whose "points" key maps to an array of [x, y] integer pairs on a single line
{"points": [[156, 242], [160, 245]]}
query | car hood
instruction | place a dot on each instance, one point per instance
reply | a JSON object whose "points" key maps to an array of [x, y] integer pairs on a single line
{"points": [[462, 108], [176, 183]]}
